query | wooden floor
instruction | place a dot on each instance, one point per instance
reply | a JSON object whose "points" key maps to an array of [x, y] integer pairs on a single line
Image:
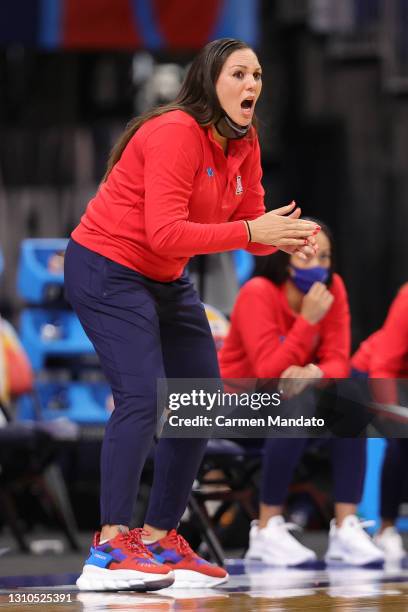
{"points": [[250, 588]]}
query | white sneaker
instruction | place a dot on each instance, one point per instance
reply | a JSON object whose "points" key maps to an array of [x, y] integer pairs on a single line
{"points": [[390, 542], [274, 545], [351, 545]]}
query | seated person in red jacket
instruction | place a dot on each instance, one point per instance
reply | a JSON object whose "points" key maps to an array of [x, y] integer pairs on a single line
{"points": [[360, 361], [384, 355], [293, 323], [16, 374]]}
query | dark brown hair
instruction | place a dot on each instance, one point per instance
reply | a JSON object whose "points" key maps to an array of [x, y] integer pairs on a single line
{"points": [[197, 95], [275, 267]]}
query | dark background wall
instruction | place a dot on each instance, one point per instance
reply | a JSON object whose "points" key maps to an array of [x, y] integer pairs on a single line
{"points": [[335, 140]]}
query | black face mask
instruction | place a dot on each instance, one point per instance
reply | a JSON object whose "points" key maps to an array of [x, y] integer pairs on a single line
{"points": [[226, 127]]}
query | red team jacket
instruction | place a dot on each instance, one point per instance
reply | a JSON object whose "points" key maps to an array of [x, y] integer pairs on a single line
{"points": [[384, 354], [390, 356], [266, 336], [362, 357], [175, 194]]}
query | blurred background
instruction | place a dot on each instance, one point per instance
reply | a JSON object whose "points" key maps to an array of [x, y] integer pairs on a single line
{"points": [[333, 127]]}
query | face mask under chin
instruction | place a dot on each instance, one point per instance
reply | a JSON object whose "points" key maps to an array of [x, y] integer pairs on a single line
{"points": [[227, 128]]}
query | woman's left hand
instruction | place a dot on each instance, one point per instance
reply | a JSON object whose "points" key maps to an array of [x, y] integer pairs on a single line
{"points": [[295, 379]]}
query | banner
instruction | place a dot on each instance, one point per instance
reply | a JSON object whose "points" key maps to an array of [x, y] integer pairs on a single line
{"points": [[126, 24]]}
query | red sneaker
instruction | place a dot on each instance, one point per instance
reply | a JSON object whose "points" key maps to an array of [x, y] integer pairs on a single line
{"points": [[123, 563], [190, 570]]}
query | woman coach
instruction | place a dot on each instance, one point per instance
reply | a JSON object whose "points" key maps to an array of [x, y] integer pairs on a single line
{"points": [[184, 179]]}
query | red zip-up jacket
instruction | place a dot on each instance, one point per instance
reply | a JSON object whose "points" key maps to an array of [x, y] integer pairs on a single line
{"points": [[174, 194], [362, 357], [389, 357], [266, 336], [384, 355]]}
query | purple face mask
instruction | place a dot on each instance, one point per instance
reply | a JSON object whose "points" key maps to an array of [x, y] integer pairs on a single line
{"points": [[304, 278]]}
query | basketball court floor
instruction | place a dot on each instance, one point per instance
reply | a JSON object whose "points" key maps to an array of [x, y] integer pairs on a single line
{"points": [[251, 587]]}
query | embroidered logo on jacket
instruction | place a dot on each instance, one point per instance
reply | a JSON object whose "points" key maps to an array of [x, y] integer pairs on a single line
{"points": [[239, 188], [210, 172]]}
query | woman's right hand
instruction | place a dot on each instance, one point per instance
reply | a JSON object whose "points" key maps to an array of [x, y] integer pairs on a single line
{"points": [[316, 303], [275, 229], [296, 379]]}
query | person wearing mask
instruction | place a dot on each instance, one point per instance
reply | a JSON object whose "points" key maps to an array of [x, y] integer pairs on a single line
{"points": [[183, 179], [292, 323], [384, 356]]}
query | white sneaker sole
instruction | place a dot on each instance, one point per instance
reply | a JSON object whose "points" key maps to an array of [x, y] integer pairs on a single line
{"points": [[341, 560], [189, 579], [269, 559], [95, 578]]}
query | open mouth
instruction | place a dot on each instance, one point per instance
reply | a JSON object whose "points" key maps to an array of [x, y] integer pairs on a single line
{"points": [[247, 104]]}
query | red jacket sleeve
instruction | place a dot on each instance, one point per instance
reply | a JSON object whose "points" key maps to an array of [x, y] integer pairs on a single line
{"points": [[391, 355], [252, 205], [333, 354], [256, 317], [361, 360], [172, 155], [392, 346]]}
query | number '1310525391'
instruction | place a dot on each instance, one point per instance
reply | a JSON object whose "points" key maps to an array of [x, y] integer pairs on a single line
{"points": [[39, 598]]}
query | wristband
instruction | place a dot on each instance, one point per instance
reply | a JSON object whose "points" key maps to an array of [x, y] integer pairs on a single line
{"points": [[249, 231]]}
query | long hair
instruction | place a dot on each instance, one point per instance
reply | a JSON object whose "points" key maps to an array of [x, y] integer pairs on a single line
{"points": [[197, 95], [275, 267]]}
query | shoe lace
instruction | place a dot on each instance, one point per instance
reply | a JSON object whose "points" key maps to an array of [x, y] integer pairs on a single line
{"points": [[133, 542], [364, 524], [291, 527], [361, 534], [182, 546]]}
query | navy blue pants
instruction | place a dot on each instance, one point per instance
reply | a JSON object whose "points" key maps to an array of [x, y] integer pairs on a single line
{"points": [[142, 330], [281, 456], [393, 477]]}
